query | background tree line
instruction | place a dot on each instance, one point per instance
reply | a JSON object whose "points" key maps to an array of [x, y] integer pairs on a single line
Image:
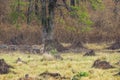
{"points": [[20, 20]]}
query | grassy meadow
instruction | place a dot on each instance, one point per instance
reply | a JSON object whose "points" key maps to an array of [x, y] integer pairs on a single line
{"points": [[72, 64]]}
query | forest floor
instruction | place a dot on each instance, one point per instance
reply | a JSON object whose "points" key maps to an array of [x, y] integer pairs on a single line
{"points": [[71, 64]]}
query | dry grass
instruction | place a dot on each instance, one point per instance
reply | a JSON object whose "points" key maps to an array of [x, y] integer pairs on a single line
{"points": [[96, 46], [71, 63]]}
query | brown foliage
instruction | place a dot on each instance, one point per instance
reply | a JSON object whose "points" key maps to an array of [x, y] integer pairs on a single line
{"points": [[24, 35], [105, 29]]}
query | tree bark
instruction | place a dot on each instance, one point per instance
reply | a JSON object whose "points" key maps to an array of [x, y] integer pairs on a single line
{"points": [[36, 7], [72, 2], [48, 39], [18, 6], [29, 11], [44, 20]]}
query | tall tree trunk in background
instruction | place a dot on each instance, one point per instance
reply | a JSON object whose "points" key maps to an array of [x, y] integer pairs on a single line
{"points": [[72, 2], [18, 6], [29, 11], [78, 2], [44, 20], [48, 39], [3, 10], [36, 7], [50, 20]]}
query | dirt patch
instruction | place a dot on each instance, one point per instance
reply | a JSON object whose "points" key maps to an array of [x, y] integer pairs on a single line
{"points": [[115, 45], [4, 67], [55, 76], [90, 53], [102, 64]]}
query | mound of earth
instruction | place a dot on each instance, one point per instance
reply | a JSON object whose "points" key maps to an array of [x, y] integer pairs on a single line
{"points": [[19, 61], [90, 53], [54, 44], [53, 76], [4, 67], [118, 74], [118, 63], [77, 47], [58, 57], [102, 64], [77, 44], [115, 45]]}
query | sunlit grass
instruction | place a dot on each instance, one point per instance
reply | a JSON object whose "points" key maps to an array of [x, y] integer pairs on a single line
{"points": [[96, 45], [72, 64]]}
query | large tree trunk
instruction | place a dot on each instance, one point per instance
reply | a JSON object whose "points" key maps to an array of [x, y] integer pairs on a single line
{"points": [[48, 39], [44, 20]]}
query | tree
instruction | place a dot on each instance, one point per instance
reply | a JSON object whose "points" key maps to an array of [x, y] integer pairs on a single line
{"points": [[48, 39], [116, 16], [77, 10]]}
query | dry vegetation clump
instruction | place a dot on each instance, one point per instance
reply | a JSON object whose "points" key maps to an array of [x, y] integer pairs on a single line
{"points": [[118, 74], [115, 45], [20, 35], [4, 67], [77, 44], [118, 63], [90, 53], [46, 75], [102, 64], [58, 57], [48, 57], [27, 77], [51, 57], [54, 76]]}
